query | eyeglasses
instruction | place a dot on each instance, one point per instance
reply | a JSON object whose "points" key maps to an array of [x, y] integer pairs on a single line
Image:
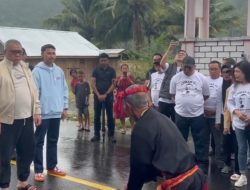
{"points": [[16, 52]]}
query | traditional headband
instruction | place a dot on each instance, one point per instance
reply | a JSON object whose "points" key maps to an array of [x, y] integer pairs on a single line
{"points": [[121, 95], [131, 91]]}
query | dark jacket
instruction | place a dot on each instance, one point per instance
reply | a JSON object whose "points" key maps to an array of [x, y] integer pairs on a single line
{"points": [[170, 72]]}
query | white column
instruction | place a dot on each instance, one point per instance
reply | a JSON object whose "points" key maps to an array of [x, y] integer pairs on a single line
{"points": [[248, 19], [204, 21], [189, 29]]}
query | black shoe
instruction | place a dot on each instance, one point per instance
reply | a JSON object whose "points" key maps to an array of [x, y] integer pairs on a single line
{"points": [[95, 139], [112, 139]]}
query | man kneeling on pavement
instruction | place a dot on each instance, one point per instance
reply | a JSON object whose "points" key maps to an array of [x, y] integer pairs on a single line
{"points": [[158, 148]]}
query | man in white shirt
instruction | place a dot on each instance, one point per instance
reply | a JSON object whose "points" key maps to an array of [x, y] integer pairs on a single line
{"points": [[215, 83], [155, 84], [19, 111], [166, 103], [190, 89]]}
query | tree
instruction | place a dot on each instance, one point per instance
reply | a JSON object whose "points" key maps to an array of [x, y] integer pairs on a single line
{"points": [[78, 15], [129, 19], [222, 19]]}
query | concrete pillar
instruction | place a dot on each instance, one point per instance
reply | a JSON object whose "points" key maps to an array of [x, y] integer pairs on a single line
{"points": [[248, 19], [189, 29], [204, 21], [188, 46]]}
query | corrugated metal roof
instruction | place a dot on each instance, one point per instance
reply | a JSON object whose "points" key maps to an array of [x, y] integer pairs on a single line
{"points": [[112, 52], [68, 44]]}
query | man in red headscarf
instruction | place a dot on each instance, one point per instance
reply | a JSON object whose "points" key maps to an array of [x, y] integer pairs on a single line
{"points": [[158, 148]]}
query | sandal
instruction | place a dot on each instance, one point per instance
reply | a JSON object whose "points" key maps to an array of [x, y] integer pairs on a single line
{"points": [[39, 177], [123, 131], [81, 129], [27, 187], [56, 171]]}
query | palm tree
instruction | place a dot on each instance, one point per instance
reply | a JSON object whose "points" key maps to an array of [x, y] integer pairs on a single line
{"points": [[78, 15], [222, 19], [129, 19]]}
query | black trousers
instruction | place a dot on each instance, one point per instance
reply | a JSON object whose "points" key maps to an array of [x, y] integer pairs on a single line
{"points": [[108, 105], [167, 109], [19, 135]]}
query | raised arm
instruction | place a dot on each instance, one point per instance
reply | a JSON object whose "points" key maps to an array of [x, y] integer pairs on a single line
{"points": [[166, 55]]}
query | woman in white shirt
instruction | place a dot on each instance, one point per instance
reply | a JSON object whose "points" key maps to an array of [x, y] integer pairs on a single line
{"points": [[239, 105]]}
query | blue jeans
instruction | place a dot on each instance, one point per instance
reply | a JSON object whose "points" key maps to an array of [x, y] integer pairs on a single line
{"points": [[243, 139], [51, 128], [200, 133]]}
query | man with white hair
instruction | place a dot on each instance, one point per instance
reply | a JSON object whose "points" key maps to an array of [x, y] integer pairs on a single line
{"points": [[158, 148]]}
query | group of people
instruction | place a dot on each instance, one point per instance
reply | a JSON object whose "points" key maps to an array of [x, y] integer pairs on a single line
{"points": [[106, 86], [28, 98], [174, 99], [215, 107]]}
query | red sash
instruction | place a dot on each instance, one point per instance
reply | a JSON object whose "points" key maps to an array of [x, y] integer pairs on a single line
{"points": [[173, 182]]}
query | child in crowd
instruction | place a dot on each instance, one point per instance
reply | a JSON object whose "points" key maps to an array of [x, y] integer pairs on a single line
{"points": [[73, 74], [82, 92]]}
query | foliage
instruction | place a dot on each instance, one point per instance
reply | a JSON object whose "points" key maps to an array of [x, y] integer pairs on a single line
{"points": [[78, 15], [221, 18]]}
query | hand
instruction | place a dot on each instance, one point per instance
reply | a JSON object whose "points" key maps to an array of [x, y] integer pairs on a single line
{"points": [[226, 131], [209, 113], [172, 45], [102, 97], [242, 116], [64, 114], [146, 83], [38, 120]]}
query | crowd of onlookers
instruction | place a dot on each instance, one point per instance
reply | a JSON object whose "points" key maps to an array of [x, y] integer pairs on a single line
{"points": [[215, 108]]}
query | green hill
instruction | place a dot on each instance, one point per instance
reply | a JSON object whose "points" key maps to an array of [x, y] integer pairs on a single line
{"points": [[28, 13], [32, 13]]}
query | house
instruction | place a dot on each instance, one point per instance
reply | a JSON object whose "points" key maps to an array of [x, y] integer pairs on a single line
{"points": [[73, 50]]}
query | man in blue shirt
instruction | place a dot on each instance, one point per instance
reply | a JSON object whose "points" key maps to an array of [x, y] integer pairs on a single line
{"points": [[53, 93]]}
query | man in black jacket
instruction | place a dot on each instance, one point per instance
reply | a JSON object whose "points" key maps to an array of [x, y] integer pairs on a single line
{"points": [[158, 148]]}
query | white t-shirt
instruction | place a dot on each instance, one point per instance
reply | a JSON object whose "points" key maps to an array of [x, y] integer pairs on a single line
{"points": [[156, 80], [189, 93], [23, 106], [239, 98], [214, 88]]}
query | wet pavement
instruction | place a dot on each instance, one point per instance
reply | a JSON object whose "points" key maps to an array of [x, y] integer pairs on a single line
{"points": [[104, 166]]}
